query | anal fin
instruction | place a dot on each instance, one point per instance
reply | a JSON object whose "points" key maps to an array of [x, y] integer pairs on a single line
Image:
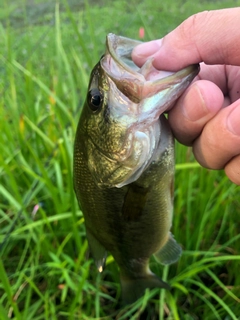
{"points": [[170, 252], [97, 250]]}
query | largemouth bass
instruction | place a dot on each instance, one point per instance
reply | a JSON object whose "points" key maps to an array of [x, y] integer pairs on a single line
{"points": [[124, 164]]}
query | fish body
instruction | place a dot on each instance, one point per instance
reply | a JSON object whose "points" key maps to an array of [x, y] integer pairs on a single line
{"points": [[124, 165]]}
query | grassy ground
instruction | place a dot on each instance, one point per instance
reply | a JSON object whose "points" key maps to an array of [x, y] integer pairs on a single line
{"points": [[47, 51]]}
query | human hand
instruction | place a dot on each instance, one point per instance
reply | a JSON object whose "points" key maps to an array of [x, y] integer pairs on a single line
{"points": [[207, 115]]}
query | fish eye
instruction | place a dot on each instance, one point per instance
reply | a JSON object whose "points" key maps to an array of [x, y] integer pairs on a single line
{"points": [[94, 99]]}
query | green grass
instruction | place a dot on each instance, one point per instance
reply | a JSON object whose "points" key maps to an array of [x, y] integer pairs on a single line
{"points": [[46, 55]]}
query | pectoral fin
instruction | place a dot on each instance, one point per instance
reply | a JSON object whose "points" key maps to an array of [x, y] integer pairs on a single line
{"points": [[170, 252], [97, 251]]}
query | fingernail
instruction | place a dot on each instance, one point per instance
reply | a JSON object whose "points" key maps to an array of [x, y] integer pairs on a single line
{"points": [[199, 102], [148, 48], [195, 112], [233, 121]]}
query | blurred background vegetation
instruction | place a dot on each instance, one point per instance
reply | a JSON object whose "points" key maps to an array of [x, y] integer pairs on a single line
{"points": [[47, 51]]}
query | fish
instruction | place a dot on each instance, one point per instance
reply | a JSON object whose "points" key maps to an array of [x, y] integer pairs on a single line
{"points": [[123, 168]]}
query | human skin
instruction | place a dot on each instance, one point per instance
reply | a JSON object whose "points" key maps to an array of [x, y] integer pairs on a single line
{"points": [[207, 116]]}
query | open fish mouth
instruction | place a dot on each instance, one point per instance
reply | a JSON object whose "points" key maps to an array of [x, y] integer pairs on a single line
{"points": [[140, 83]]}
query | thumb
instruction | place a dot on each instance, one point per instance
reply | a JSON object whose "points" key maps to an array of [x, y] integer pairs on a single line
{"points": [[212, 37]]}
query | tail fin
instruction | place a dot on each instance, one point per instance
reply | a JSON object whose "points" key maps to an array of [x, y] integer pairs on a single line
{"points": [[133, 289]]}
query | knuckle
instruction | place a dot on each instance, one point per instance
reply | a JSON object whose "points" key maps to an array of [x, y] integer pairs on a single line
{"points": [[192, 29]]}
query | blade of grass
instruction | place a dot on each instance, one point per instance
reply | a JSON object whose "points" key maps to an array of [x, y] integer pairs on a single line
{"points": [[173, 306], [215, 297], [207, 303], [217, 280], [46, 90], [3, 313], [163, 293], [8, 289], [80, 38]]}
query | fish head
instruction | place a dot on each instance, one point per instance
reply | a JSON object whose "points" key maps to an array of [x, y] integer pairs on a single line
{"points": [[122, 110]]}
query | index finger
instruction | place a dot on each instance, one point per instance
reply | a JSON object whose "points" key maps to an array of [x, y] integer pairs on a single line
{"points": [[212, 37]]}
